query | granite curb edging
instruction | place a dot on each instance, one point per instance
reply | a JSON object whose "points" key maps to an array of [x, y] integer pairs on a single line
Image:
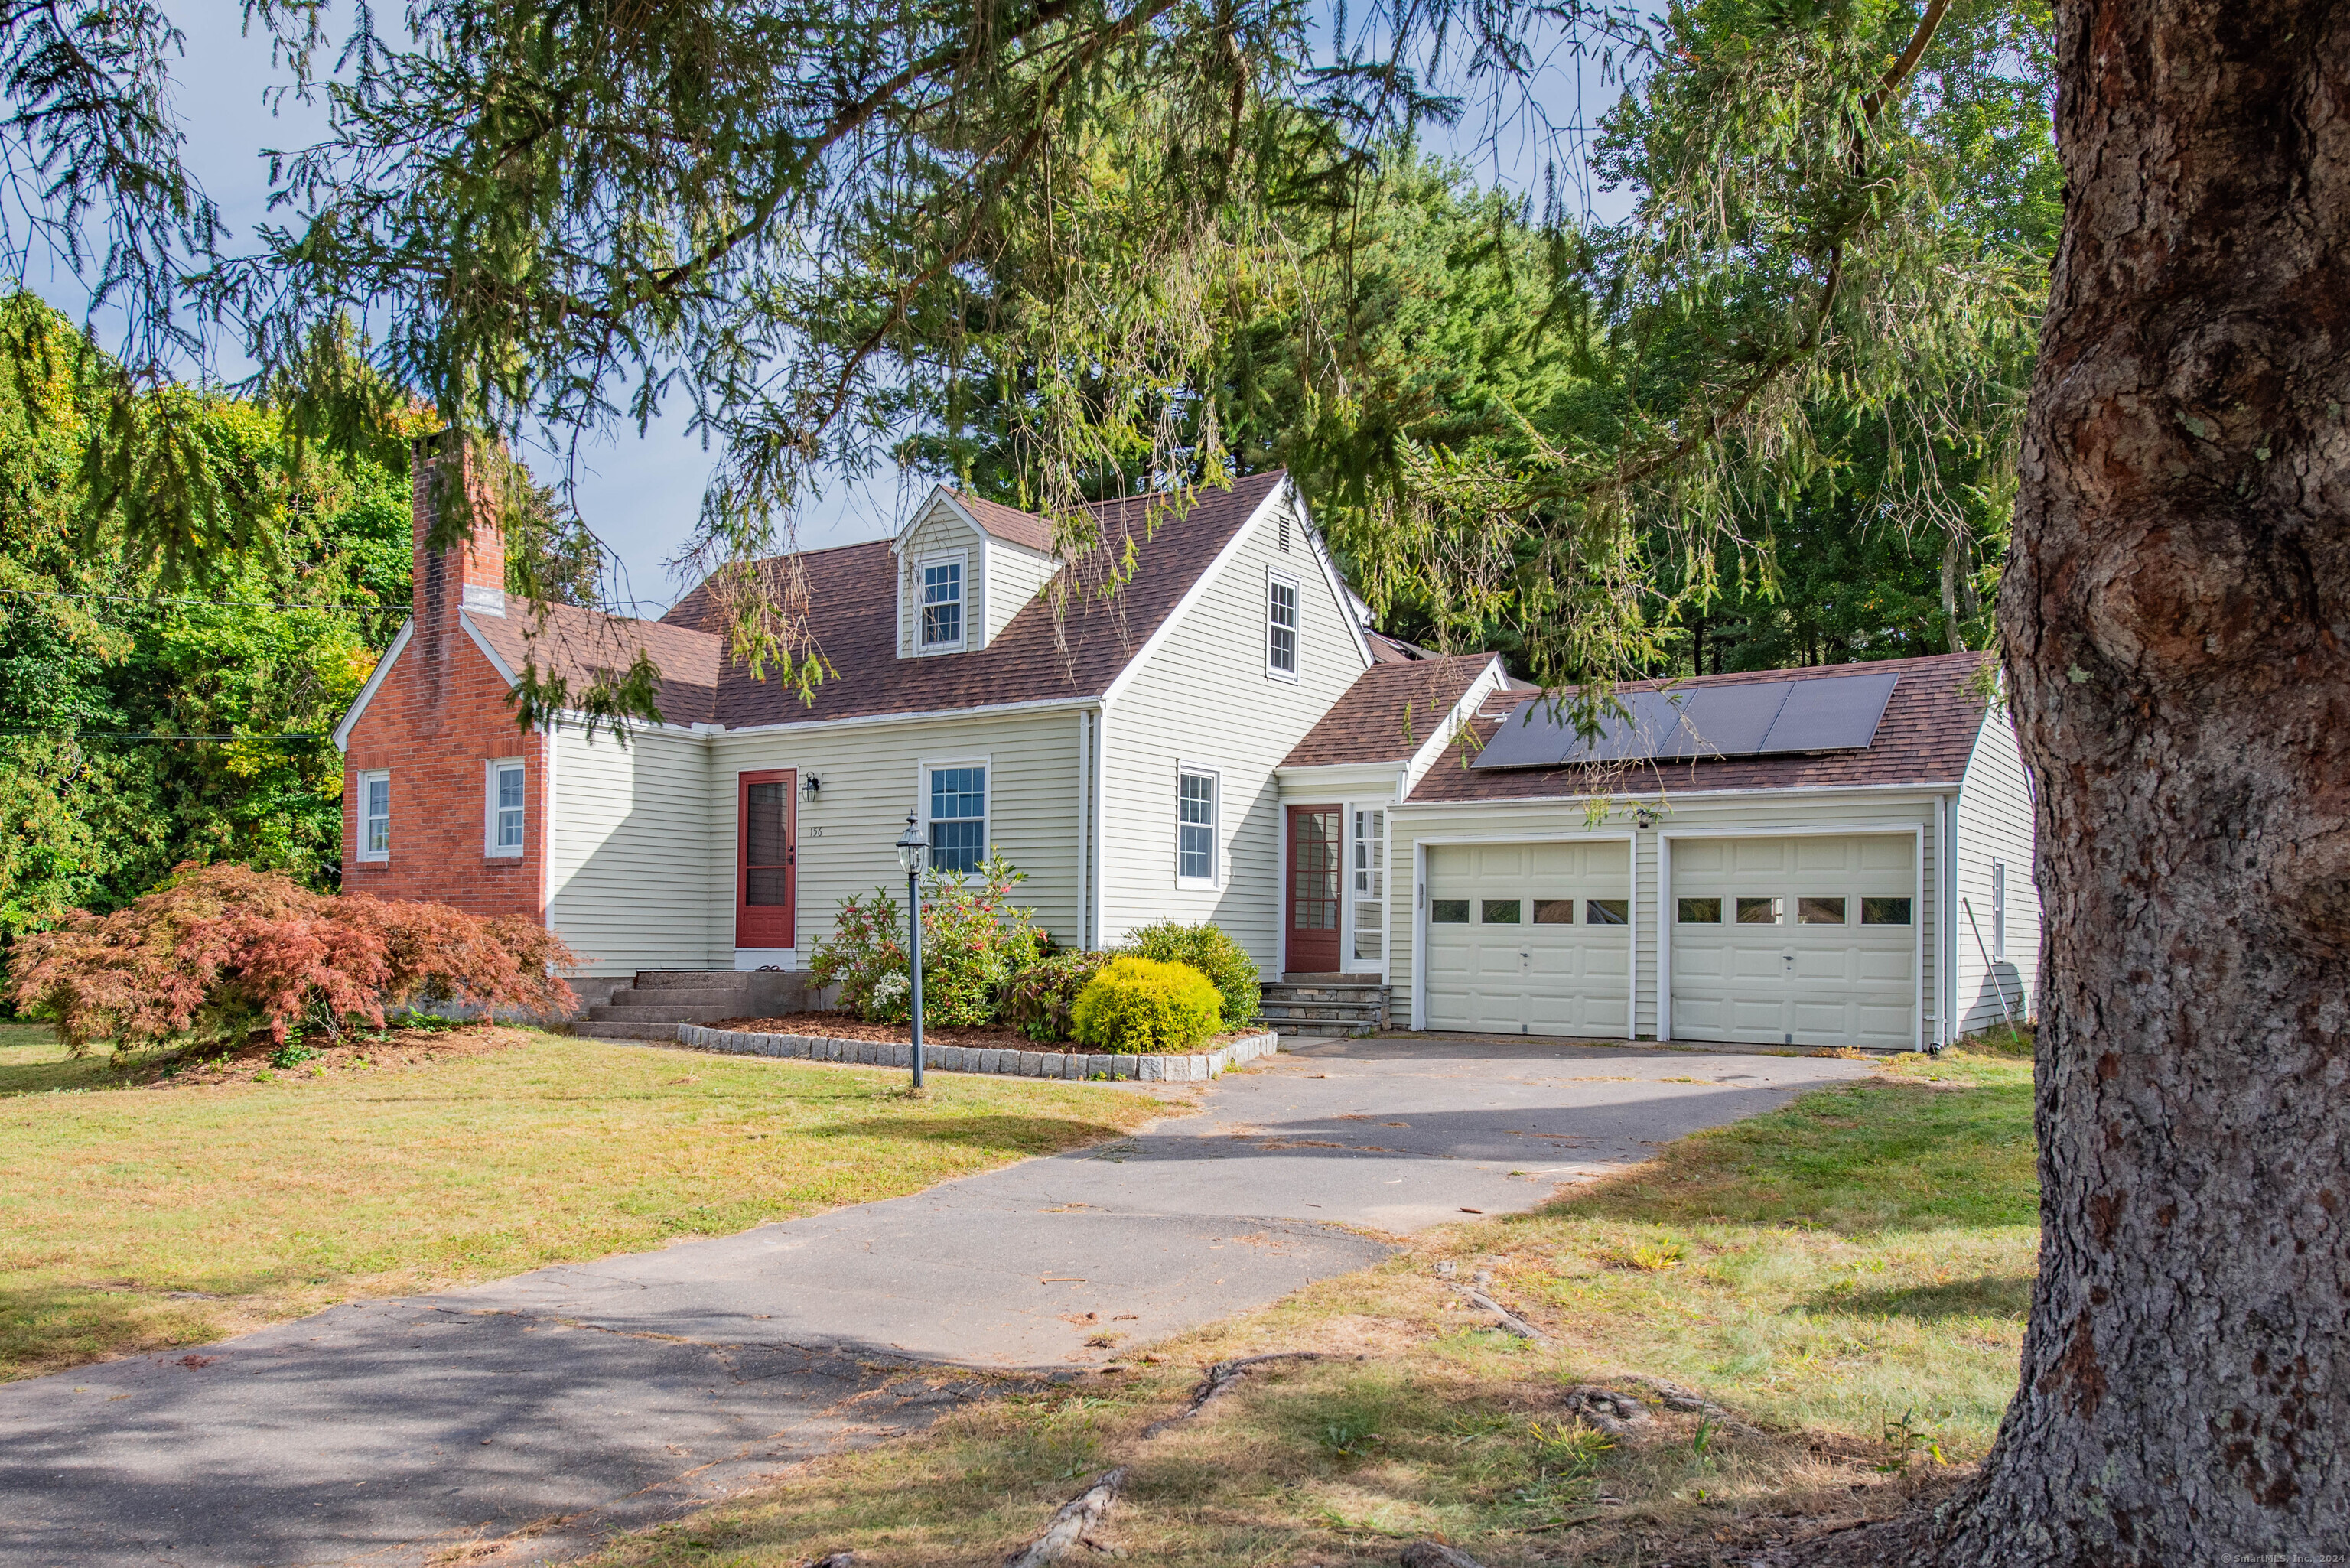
{"points": [[1196, 1068]]}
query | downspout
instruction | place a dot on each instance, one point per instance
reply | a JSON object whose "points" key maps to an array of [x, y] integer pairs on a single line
{"points": [[1946, 944], [1085, 828]]}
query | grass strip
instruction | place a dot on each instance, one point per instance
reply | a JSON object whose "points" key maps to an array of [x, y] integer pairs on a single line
{"points": [[137, 1212]]}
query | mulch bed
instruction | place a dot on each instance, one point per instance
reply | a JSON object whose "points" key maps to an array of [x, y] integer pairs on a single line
{"points": [[215, 1063], [849, 1026]]}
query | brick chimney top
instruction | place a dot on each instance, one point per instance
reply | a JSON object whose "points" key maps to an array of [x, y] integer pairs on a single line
{"points": [[470, 576]]}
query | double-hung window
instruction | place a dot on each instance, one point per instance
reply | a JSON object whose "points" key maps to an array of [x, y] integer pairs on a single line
{"points": [[943, 603], [505, 813], [375, 814], [958, 816], [1281, 627], [1195, 827]]}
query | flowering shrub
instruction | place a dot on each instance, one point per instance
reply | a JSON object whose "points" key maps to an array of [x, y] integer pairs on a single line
{"points": [[1039, 1000], [1213, 954], [226, 949], [1141, 1004], [973, 939]]}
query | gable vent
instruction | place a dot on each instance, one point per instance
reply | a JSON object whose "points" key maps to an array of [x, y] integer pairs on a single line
{"points": [[1284, 533]]}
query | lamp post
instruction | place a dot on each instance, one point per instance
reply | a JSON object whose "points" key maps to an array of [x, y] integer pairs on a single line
{"points": [[911, 848]]}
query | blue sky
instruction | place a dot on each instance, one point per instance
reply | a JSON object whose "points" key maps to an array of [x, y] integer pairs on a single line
{"points": [[640, 494]]}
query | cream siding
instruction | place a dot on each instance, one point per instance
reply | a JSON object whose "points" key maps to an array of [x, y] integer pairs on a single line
{"points": [[1015, 574], [1995, 824], [630, 850], [1568, 821], [1203, 697], [941, 530], [869, 778]]}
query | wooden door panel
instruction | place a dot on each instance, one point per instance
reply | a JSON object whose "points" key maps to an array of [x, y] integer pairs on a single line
{"points": [[766, 871], [1316, 864]]}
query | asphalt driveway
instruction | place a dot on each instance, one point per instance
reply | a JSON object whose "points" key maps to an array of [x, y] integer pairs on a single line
{"points": [[547, 1409]]}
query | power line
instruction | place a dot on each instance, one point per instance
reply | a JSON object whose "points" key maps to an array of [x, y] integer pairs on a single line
{"points": [[140, 735], [217, 603]]}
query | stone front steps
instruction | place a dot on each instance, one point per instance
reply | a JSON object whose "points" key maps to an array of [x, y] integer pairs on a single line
{"points": [[1008, 1062], [652, 1005], [1323, 1006]]}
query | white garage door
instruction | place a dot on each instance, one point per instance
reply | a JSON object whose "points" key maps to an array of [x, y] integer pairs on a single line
{"points": [[1799, 940], [1530, 938]]}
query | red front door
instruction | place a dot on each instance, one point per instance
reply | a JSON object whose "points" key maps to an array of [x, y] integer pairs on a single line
{"points": [[1314, 868], [765, 880]]}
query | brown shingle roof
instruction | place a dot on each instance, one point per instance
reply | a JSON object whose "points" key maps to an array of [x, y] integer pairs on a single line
{"points": [[1390, 712], [1925, 737], [1008, 522], [852, 598], [576, 643]]}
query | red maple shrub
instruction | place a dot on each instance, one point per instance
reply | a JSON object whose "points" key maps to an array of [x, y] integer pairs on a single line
{"points": [[226, 950]]}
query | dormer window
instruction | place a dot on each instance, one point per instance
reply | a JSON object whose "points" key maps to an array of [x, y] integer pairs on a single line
{"points": [[942, 622]]}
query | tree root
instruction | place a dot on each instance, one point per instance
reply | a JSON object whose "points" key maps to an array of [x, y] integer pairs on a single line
{"points": [[1510, 1320], [1221, 1376], [1069, 1527]]}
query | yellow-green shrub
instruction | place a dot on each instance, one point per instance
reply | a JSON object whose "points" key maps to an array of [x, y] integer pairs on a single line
{"points": [[1141, 1004]]}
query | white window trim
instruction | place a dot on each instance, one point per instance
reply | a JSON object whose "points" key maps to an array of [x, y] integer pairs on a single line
{"points": [[914, 590], [1273, 574], [374, 856], [924, 767], [1215, 777], [491, 847]]}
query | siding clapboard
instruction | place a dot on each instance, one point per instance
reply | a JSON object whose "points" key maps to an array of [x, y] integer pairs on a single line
{"points": [[630, 853], [867, 773], [1995, 823], [1204, 698]]}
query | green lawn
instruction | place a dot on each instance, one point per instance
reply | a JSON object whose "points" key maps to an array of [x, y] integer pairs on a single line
{"points": [[136, 1215], [1847, 1277]]}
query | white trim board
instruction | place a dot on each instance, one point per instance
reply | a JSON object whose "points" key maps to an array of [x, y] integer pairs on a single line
{"points": [[374, 683]]}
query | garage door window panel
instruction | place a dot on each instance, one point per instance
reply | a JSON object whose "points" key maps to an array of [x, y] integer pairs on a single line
{"points": [[1819, 911], [1608, 912], [1698, 912], [1884, 911], [1500, 911], [1554, 911], [1448, 911], [1761, 911]]}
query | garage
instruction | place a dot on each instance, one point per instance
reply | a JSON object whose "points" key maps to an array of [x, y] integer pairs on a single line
{"points": [[1803, 940], [1531, 938]]}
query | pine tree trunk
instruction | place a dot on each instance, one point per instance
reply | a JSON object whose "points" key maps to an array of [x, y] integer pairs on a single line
{"points": [[2176, 620]]}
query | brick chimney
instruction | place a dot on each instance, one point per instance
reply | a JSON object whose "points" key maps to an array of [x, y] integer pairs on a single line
{"points": [[472, 575]]}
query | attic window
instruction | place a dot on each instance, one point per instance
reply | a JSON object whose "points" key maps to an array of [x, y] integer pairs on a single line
{"points": [[943, 603], [1281, 628]]}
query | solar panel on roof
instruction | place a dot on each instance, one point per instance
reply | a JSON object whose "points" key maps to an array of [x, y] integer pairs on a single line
{"points": [[1744, 718]]}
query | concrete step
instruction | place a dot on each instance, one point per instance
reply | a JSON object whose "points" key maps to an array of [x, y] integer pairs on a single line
{"points": [[1326, 995], [595, 1031], [1316, 1028], [681, 996], [691, 980], [1271, 1014], [669, 1014]]}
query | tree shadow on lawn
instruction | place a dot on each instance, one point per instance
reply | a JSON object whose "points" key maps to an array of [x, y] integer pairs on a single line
{"points": [[2007, 1296], [991, 1130], [47, 1327], [1857, 1158]]}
